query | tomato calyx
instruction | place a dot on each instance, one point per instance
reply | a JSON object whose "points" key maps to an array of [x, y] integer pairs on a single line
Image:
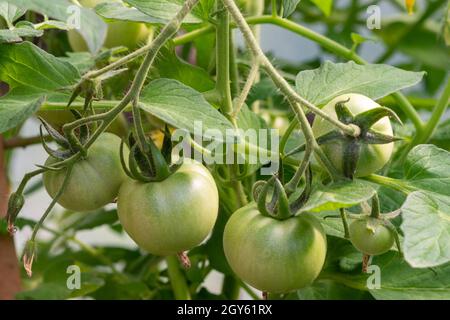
{"points": [[352, 145], [280, 206], [66, 148], [15, 204], [146, 162]]}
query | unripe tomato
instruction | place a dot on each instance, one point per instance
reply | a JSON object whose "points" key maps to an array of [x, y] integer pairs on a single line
{"points": [[372, 157], [120, 33], [173, 215], [372, 241], [272, 255], [94, 182], [58, 118]]}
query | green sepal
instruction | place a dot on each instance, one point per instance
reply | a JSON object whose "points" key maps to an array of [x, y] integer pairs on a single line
{"points": [[283, 208], [373, 137], [365, 120], [15, 204], [330, 137], [261, 200], [123, 162], [83, 131], [298, 203], [54, 134], [167, 146], [351, 154], [134, 167], [57, 154], [343, 113]]}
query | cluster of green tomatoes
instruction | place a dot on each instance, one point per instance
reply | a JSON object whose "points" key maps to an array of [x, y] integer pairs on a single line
{"points": [[172, 215], [177, 213]]}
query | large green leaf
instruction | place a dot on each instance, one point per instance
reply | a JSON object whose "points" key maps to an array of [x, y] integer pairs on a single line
{"points": [[163, 10], [117, 11], [426, 226], [169, 65], [93, 29], [181, 106], [31, 73], [321, 85], [427, 167], [339, 195], [10, 12]]}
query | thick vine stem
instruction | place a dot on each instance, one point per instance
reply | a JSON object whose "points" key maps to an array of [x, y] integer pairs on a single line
{"points": [[375, 211], [284, 86], [223, 60]]}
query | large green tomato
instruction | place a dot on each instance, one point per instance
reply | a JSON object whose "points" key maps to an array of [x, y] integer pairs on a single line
{"points": [[173, 215], [373, 240], [120, 33], [272, 255], [373, 157], [94, 182]]}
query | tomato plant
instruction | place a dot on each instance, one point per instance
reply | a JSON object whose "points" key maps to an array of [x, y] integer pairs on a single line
{"points": [[261, 149]]}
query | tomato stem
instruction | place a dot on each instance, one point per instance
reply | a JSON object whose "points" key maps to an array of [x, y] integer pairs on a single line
{"points": [[177, 280]]}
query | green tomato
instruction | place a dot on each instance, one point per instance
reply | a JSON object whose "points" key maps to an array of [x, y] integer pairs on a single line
{"points": [[94, 182], [120, 33], [370, 236], [272, 255], [373, 157], [173, 215]]}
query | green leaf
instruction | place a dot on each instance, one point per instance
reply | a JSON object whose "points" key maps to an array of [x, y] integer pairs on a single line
{"points": [[122, 288], [10, 12], [398, 280], [324, 5], [321, 85], [94, 219], [426, 226], [339, 195], [16, 107], [428, 168], [26, 65], [22, 29], [289, 7], [117, 11], [163, 10], [181, 106], [330, 290], [93, 28], [31, 73], [51, 24], [441, 136], [401, 282], [169, 65], [45, 291]]}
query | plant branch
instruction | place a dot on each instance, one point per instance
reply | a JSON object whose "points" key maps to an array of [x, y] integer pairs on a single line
{"points": [[284, 86], [251, 78], [20, 142]]}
